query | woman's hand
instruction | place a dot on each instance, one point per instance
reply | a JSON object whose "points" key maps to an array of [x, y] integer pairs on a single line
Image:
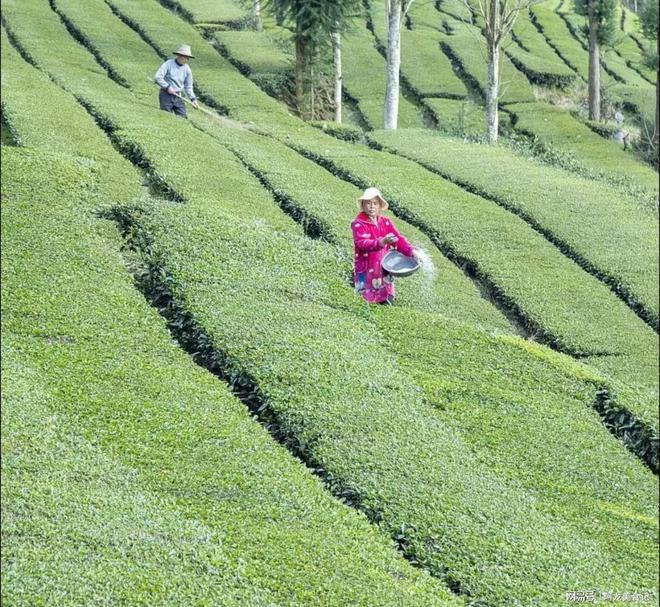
{"points": [[389, 239]]}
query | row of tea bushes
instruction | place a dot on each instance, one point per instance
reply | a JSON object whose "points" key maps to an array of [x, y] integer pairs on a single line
{"points": [[460, 117], [275, 332], [181, 448], [331, 203], [80, 526], [633, 55], [253, 312], [211, 11], [557, 127], [568, 471], [466, 44], [364, 80], [610, 232], [535, 57], [605, 322], [426, 68], [327, 147], [288, 176], [604, 339], [633, 92], [329, 207], [257, 53], [159, 25], [613, 64]]}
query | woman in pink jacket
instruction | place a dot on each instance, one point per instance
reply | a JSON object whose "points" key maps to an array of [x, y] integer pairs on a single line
{"points": [[374, 235]]}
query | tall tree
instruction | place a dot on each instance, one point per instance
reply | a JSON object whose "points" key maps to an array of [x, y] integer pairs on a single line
{"points": [[499, 17], [396, 12], [601, 30], [649, 20], [314, 24]]}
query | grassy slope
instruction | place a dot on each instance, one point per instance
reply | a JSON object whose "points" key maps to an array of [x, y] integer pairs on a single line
{"points": [[178, 244], [612, 233], [389, 169], [173, 451]]}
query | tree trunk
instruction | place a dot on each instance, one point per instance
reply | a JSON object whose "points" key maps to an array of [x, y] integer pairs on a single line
{"points": [[299, 75], [256, 15], [336, 45], [493, 85], [594, 62], [311, 90], [492, 92], [391, 110]]}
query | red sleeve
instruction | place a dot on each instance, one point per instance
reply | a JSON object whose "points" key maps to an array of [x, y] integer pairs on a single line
{"points": [[363, 239], [402, 245]]}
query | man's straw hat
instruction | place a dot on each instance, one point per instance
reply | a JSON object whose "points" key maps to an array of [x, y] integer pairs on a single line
{"points": [[184, 50], [370, 193]]}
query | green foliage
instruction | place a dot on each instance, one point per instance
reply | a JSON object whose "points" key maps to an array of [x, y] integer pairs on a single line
{"points": [[213, 11], [649, 19], [581, 214], [467, 45], [459, 117], [426, 69], [365, 80], [133, 475], [649, 22], [472, 451], [604, 15], [532, 54], [555, 126]]}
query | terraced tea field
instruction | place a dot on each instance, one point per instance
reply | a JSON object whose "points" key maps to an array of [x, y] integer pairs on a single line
{"points": [[198, 409]]}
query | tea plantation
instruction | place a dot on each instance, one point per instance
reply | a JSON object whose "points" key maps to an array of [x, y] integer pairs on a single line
{"points": [[197, 407]]}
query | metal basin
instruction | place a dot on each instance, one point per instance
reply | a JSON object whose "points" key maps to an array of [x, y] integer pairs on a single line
{"points": [[398, 264]]}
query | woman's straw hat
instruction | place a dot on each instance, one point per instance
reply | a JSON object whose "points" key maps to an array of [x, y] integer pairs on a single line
{"points": [[184, 50], [370, 193]]}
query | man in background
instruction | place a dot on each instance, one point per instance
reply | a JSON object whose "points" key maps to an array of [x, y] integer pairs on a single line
{"points": [[173, 77]]}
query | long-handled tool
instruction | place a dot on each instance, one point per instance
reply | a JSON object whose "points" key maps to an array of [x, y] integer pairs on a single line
{"points": [[221, 119]]}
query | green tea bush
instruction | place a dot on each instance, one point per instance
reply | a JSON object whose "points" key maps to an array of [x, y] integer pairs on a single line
{"points": [[258, 52], [634, 57], [552, 124], [183, 482], [209, 11], [85, 324], [609, 234], [531, 54], [390, 455], [276, 353], [459, 117], [555, 31], [459, 226], [467, 45], [365, 80], [613, 64], [468, 303], [576, 335], [425, 67]]}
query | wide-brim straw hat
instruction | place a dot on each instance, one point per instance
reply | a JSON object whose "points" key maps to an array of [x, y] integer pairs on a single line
{"points": [[184, 50], [370, 193]]}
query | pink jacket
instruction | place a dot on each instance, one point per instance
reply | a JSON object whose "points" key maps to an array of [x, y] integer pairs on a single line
{"points": [[370, 280]]}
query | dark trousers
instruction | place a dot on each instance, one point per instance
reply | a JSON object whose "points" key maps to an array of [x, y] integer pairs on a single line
{"points": [[172, 103]]}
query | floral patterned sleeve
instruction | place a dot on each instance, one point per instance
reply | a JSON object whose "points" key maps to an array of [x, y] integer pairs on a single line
{"points": [[363, 239]]}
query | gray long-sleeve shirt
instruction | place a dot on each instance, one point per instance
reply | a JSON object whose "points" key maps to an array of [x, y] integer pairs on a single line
{"points": [[177, 76]]}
